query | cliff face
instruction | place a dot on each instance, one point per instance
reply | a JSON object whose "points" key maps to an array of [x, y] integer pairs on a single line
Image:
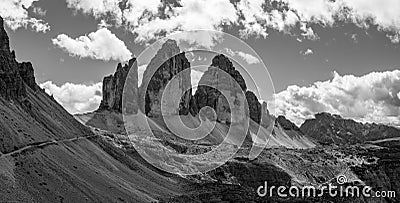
{"points": [[327, 128], [13, 75], [255, 108], [163, 68], [222, 78], [113, 86]]}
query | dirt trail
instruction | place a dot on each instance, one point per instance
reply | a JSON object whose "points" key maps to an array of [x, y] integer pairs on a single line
{"points": [[43, 144]]}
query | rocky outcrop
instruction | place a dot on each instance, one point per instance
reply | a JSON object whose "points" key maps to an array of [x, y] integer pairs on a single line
{"points": [[27, 73], [13, 75], [113, 86], [165, 68], [4, 41], [327, 128], [255, 108], [222, 78]]}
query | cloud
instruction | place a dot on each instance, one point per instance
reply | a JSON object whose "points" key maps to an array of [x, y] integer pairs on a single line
{"points": [[15, 15], [102, 45], [248, 58], [39, 11], [150, 19], [370, 98], [307, 52], [98, 8], [75, 98]]}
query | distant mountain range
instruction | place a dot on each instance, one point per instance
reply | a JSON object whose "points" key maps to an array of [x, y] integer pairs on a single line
{"points": [[328, 128]]}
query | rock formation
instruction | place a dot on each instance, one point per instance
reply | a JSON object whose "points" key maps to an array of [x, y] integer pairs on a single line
{"points": [[113, 86], [13, 75], [222, 78], [163, 68], [255, 109], [286, 124], [327, 128]]}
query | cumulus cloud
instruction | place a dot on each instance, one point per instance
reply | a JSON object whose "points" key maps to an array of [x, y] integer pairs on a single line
{"points": [[98, 8], [102, 45], [75, 98], [307, 52], [15, 15], [150, 19], [370, 98]]}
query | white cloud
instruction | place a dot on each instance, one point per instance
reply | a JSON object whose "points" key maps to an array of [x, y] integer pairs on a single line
{"points": [[307, 52], [370, 98], [15, 15], [102, 45], [256, 20], [250, 59], [98, 8], [149, 19], [75, 98]]}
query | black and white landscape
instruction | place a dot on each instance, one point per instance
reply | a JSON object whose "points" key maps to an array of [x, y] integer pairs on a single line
{"points": [[230, 112]]}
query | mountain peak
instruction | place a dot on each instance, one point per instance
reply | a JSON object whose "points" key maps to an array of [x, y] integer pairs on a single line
{"points": [[4, 41], [331, 128], [326, 115], [168, 49]]}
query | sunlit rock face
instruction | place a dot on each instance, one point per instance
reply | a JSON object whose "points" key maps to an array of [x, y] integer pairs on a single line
{"points": [[113, 86], [220, 86], [165, 67], [13, 75]]}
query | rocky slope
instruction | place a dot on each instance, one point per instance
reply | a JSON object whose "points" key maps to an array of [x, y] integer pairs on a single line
{"points": [[327, 128], [48, 156]]}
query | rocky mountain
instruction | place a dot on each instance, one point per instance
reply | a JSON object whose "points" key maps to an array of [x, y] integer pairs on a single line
{"points": [[222, 77], [328, 128], [113, 86], [48, 156], [13, 75], [109, 114], [165, 66]]}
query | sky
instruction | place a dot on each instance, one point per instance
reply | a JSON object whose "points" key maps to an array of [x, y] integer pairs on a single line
{"points": [[339, 56]]}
